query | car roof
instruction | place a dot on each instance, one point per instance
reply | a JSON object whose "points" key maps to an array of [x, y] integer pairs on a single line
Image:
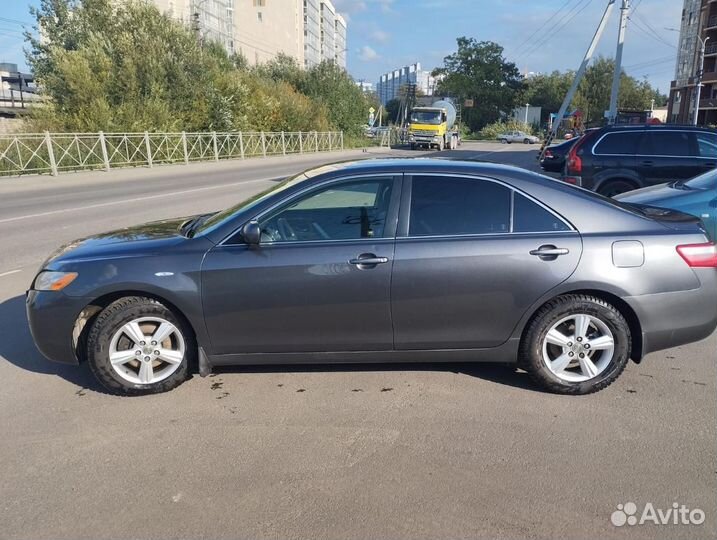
{"points": [[656, 127], [417, 165]]}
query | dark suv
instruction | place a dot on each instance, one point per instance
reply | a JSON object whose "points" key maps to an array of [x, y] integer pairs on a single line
{"points": [[617, 159]]}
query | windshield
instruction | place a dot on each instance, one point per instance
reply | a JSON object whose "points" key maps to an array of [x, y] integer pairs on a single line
{"points": [[707, 180], [246, 204], [426, 117]]}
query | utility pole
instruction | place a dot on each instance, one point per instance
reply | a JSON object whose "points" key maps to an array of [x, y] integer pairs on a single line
{"points": [[700, 73], [527, 106], [579, 75], [612, 114]]}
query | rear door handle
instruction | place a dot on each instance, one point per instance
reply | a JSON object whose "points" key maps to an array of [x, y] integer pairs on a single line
{"points": [[647, 163], [549, 253], [368, 260]]}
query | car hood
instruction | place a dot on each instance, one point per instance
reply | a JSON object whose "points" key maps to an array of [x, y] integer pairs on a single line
{"points": [[127, 242]]}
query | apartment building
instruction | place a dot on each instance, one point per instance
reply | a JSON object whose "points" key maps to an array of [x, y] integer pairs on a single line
{"points": [[389, 84], [699, 23], [212, 19], [309, 30], [265, 28]]}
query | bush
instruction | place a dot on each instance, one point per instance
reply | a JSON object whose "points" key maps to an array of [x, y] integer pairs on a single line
{"points": [[124, 67], [492, 131]]}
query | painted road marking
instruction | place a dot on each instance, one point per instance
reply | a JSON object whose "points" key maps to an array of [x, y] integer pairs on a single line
{"points": [[3, 274], [134, 199]]}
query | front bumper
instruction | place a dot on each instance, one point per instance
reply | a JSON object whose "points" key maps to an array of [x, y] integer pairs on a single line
{"points": [[677, 318], [52, 317]]}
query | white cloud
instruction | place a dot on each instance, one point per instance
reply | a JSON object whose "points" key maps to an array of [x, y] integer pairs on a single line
{"points": [[380, 36], [368, 54]]}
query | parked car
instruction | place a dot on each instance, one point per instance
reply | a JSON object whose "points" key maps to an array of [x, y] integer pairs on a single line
{"points": [[518, 137], [617, 159], [554, 157], [387, 260], [697, 196]]}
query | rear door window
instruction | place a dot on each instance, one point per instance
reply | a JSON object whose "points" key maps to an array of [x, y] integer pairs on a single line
{"points": [[619, 143], [668, 144], [446, 206]]}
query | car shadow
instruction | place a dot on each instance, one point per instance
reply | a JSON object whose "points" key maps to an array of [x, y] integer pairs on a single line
{"points": [[499, 373], [18, 348]]}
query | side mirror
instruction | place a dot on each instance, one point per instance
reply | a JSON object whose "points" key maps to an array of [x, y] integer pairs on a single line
{"points": [[251, 233]]}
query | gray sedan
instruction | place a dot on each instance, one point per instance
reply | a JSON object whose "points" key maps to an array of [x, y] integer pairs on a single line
{"points": [[385, 260], [517, 137]]}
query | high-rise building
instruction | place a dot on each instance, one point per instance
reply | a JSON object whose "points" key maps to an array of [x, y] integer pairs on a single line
{"points": [[340, 40], [699, 22], [389, 84], [211, 19], [310, 31], [265, 28]]}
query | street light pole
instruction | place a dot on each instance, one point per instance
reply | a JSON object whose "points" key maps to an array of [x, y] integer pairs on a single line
{"points": [[700, 73], [527, 106]]}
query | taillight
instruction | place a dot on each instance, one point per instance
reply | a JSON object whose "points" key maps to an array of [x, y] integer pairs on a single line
{"points": [[574, 161], [699, 255]]}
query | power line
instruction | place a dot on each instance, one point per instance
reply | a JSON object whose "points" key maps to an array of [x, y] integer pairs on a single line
{"points": [[648, 30], [576, 10], [545, 23], [13, 21], [655, 61]]}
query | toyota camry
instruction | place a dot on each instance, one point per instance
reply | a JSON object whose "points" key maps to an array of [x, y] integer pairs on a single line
{"points": [[400, 260]]}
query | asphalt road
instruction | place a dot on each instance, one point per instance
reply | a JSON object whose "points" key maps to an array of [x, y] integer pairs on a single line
{"points": [[417, 451]]}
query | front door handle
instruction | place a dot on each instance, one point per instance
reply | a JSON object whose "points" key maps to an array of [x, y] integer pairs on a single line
{"points": [[368, 260], [549, 253], [647, 163]]}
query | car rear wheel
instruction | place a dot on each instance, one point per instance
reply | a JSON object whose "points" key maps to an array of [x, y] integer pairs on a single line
{"points": [[576, 344], [138, 346], [616, 187]]}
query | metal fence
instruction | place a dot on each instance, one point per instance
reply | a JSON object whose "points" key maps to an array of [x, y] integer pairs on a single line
{"points": [[53, 153]]}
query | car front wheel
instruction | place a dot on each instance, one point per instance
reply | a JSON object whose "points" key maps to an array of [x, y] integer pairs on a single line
{"points": [[138, 346], [576, 344]]}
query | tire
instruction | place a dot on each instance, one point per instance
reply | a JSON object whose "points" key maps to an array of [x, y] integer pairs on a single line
{"points": [[537, 350], [108, 336], [615, 187], [527, 141], [504, 141]]}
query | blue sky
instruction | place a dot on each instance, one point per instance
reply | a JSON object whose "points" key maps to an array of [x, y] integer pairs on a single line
{"points": [[387, 34]]}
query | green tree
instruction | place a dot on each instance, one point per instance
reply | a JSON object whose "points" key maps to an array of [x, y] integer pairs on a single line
{"points": [[593, 96], [547, 91], [478, 71], [344, 102], [123, 66]]}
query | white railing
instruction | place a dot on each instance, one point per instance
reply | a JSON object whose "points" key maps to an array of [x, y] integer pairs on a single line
{"points": [[53, 153]]}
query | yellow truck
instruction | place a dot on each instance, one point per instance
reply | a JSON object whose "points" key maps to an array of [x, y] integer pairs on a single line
{"points": [[434, 126]]}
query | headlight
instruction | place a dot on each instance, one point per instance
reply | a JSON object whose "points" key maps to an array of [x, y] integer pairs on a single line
{"points": [[53, 281]]}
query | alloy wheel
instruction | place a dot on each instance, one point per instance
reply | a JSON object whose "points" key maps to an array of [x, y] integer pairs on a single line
{"points": [[578, 348], [146, 350]]}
